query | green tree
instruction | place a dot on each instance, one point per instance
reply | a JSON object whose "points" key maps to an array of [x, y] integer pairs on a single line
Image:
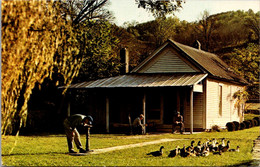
{"points": [[99, 48], [31, 34], [150, 35], [185, 33], [128, 38], [161, 29], [246, 61], [252, 22], [160, 8], [205, 29], [97, 45]]}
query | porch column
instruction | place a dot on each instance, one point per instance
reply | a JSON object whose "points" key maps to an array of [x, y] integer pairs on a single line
{"points": [[191, 110], [68, 109], [178, 101], [107, 114], [144, 111]]}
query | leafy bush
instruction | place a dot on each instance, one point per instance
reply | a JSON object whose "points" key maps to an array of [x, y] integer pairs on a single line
{"points": [[248, 124], [242, 126], [257, 119], [230, 126], [252, 123], [237, 126], [255, 122], [215, 128]]}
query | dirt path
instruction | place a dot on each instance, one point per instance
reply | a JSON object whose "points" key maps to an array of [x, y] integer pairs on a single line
{"points": [[256, 153], [103, 150]]}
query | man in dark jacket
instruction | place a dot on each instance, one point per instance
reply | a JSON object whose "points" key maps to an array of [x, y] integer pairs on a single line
{"points": [[70, 125], [178, 122]]}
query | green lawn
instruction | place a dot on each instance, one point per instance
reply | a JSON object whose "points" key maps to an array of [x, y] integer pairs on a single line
{"points": [[250, 116], [51, 150]]}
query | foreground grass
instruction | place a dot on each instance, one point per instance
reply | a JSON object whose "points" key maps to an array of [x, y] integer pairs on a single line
{"points": [[51, 150]]}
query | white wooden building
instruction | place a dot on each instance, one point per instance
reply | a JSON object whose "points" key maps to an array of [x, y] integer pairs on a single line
{"points": [[174, 78]]}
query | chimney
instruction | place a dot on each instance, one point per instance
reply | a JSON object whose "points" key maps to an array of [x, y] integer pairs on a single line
{"points": [[124, 60], [197, 44]]}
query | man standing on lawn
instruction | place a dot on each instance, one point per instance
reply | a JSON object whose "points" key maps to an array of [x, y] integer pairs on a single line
{"points": [[70, 125]]}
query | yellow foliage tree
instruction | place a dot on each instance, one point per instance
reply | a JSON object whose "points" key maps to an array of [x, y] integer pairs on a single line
{"points": [[33, 34]]}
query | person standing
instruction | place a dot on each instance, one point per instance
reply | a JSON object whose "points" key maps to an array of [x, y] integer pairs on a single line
{"points": [[178, 122], [72, 133], [138, 127]]}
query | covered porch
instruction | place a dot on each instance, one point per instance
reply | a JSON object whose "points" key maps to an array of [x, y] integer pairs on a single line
{"points": [[158, 97]]}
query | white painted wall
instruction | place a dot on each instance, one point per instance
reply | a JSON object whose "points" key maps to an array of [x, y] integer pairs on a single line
{"points": [[229, 111]]}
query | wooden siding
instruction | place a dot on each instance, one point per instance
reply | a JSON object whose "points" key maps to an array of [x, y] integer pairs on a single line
{"points": [[197, 111], [229, 111], [168, 61]]}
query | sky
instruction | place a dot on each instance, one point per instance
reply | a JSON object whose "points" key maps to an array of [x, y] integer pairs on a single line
{"points": [[128, 11]]}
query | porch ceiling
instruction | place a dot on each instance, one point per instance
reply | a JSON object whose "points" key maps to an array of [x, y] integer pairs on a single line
{"points": [[142, 80]]}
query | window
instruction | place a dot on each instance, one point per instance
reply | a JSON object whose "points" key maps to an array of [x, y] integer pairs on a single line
{"points": [[220, 89]]}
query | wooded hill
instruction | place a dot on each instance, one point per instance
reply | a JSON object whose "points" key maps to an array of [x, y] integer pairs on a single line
{"points": [[233, 35], [220, 33]]}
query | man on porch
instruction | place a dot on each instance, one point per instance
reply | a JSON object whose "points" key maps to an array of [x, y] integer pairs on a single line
{"points": [[138, 127], [178, 122]]}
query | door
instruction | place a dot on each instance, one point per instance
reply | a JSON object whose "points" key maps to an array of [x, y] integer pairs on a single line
{"points": [[170, 107]]}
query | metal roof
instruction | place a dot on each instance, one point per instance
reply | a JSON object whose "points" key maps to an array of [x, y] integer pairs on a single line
{"points": [[142, 80]]}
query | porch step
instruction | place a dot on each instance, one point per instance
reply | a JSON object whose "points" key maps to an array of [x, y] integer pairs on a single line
{"points": [[164, 128], [168, 128]]}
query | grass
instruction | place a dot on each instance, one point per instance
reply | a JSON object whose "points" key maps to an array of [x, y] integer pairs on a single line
{"points": [[51, 150], [250, 116]]}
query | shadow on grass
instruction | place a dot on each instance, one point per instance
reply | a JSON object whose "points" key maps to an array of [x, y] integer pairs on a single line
{"points": [[34, 153], [248, 163]]}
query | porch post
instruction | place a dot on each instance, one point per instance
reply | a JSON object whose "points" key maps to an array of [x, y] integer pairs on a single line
{"points": [[107, 114], [68, 109], [178, 101], [191, 110], [144, 112]]}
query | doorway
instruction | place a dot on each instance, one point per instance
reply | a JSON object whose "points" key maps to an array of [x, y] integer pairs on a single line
{"points": [[170, 107]]}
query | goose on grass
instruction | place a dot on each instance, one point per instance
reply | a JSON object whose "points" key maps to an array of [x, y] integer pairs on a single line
{"points": [[220, 146], [191, 146], [157, 153], [234, 150], [198, 147], [174, 153], [225, 148]]}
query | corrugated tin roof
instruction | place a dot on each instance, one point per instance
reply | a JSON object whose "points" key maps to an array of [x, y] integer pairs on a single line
{"points": [[142, 80]]}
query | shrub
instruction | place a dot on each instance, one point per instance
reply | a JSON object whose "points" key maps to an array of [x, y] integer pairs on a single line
{"points": [[230, 126], [252, 123], [237, 126], [215, 128], [242, 126], [257, 120], [248, 124]]}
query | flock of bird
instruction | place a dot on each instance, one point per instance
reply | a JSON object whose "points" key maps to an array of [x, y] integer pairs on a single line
{"points": [[202, 149]]}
